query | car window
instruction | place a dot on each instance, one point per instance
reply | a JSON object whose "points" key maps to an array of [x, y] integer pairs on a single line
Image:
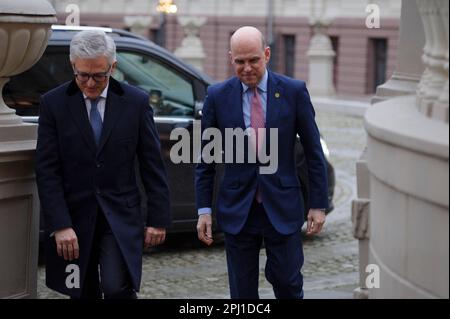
{"points": [[22, 92], [171, 94]]}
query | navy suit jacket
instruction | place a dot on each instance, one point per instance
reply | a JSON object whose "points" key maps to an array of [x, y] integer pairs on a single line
{"points": [[289, 110], [75, 177]]}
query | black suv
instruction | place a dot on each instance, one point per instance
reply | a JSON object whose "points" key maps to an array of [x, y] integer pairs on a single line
{"points": [[176, 90]]}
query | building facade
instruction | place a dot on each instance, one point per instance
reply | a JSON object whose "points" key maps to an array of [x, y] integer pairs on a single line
{"points": [[365, 57]]}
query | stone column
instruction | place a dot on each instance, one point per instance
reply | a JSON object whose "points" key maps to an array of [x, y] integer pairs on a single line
{"points": [[432, 93], [407, 72], [408, 162], [321, 60], [24, 33], [139, 24], [191, 49]]}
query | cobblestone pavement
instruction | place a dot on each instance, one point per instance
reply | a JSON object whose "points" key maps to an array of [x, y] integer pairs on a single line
{"points": [[185, 269]]}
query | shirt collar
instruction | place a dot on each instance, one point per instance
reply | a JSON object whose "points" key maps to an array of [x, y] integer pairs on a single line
{"points": [[262, 86], [104, 94]]}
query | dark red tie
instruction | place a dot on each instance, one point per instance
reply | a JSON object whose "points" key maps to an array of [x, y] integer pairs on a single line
{"points": [[257, 122]]}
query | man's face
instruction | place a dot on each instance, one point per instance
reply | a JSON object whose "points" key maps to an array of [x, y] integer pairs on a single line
{"points": [[249, 60], [92, 75]]}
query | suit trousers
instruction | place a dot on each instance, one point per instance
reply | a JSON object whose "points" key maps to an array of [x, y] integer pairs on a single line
{"points": [[284, 258], [114, 281]]}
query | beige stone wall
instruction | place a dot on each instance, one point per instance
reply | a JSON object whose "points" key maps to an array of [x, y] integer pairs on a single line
{"points": [[408, 163]]}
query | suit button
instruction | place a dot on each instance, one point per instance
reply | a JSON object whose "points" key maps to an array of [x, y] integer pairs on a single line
{"points": [[97, 191], [99, 165]]}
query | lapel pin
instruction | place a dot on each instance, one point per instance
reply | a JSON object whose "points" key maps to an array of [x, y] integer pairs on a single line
{"points": [[277, 95]]}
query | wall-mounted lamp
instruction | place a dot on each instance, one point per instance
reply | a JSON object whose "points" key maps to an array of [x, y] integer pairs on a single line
{"points": [[167, 7]]}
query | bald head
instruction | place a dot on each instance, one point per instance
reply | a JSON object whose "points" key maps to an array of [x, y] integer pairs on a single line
{"points": [[249, 55], [246, 35]]}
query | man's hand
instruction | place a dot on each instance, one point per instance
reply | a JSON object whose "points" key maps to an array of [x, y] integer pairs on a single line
{"points": [[154, 236], [316, 219], [67, 244], [204, 229]]}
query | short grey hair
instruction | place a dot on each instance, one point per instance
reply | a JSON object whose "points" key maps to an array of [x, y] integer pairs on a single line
{"points": [[90, 44]]}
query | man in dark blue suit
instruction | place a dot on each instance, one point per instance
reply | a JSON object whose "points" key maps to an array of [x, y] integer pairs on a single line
{"points": [[90, 132], [252, 207]]}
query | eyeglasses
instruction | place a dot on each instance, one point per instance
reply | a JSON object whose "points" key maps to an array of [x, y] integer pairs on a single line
{"points": [[97, 77]]}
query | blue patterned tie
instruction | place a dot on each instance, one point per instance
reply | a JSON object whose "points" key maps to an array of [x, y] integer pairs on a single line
{"points": [[96, 120]]}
